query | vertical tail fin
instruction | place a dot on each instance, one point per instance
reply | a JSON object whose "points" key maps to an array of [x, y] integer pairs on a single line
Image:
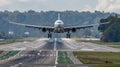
{"points": [[58, 16]]}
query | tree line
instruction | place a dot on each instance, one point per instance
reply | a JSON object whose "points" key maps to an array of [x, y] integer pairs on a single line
{"points": [[111, 31], [48, 18]]}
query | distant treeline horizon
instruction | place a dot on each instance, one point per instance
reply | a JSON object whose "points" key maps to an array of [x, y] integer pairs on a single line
{"points": [[48, 18]]}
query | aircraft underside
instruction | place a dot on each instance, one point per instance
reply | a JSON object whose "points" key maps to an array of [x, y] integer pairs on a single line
{"points": [[68, 35]]}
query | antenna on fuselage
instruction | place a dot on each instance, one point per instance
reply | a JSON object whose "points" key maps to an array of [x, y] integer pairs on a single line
{"points": [[58, 16]]}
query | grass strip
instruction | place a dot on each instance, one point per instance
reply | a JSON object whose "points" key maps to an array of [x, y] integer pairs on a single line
{"points": [[110, 65], [16, 40], [98, 57], [1, 51], [63, 58], [110, 44], [8, 55], [6, 42]]}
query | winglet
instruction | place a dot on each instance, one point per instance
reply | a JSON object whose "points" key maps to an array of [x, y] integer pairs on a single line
{"points": [[58, 16]]}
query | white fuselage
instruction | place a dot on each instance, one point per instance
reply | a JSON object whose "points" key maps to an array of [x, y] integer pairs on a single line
{"points": [[58, 26]]}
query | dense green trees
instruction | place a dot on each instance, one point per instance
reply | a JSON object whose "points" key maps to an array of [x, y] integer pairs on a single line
{"points": [[111, 31]]}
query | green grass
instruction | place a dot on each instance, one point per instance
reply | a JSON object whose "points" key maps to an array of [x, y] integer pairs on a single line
{"points": [[98, 57], [1, 51], [106, 43], [8, 55], [108, 65], [17, 40], [117, 46], [63, 59], [26, 39], [110, 44], [100, 42], [6, 42]]}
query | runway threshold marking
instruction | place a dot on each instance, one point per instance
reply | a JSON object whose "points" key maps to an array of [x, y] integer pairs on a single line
{"points": [[56, 59], [55, 43], [23, 48], [85, 49]]}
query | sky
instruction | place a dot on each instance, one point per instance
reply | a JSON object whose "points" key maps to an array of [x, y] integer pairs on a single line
{"points": [[61, 5]]}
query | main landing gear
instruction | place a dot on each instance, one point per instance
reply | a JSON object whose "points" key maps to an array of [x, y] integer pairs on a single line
{"points": [[68, 35], [49, 35]]}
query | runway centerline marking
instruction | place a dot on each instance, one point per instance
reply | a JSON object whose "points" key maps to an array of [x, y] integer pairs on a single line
{"points": [[55, 43], [56, 59]]}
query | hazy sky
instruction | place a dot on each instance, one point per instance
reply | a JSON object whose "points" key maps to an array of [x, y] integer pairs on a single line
{"points": [[61, 5]]}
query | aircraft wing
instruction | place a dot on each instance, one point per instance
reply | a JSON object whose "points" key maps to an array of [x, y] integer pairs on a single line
{"points": [[82, 27], [33, 26], [79, 27], [69, 28]]}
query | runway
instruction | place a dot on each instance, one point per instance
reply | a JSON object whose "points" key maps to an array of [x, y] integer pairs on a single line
{"points": [[54, 44], [43, 52], [27, 58]]}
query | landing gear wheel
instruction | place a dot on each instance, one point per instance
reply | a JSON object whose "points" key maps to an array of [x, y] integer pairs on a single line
{"points": [[68, 35], [49, 35]]}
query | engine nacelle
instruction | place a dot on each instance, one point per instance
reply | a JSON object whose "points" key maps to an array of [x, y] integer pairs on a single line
{"points": [[44, 30], [73, 30]]}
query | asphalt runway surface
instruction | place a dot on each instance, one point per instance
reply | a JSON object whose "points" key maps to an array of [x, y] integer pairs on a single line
{"points": [[54, 44], [31, 59], [43, 52]]}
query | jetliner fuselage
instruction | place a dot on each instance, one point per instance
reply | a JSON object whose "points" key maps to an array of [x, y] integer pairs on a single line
{"points": [[59, 26]]}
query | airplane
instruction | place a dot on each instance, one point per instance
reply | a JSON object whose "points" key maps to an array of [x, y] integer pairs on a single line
{"points": [[58, 27]]}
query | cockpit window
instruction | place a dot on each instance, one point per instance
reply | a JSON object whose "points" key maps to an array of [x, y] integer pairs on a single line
{"points": [[59, 22]]}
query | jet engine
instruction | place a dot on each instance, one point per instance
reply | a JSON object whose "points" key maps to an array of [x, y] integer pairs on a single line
{"points": [[73, 30], [44, 30]]}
